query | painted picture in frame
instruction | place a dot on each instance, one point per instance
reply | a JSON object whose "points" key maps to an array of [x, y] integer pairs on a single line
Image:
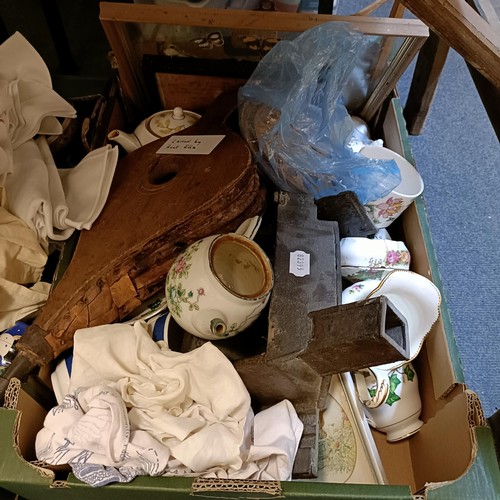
{"points": [[347, 452]]}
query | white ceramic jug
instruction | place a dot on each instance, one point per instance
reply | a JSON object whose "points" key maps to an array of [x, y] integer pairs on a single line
{"points": [[391, 399]]}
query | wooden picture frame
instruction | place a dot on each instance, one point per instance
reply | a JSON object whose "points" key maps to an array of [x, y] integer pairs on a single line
{"points": [[126, 24]]}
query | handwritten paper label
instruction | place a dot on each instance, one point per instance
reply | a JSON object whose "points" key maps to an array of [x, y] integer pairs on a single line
{"points": [[190, 144], [299, 263]]}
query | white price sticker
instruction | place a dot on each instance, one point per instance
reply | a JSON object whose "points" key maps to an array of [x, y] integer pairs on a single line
{"points": [[190, 144], [300, 263]]}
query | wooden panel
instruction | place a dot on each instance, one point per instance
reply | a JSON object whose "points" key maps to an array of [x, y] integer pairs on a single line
{"points": [[116, 18], [255, 20], [463, 29]]}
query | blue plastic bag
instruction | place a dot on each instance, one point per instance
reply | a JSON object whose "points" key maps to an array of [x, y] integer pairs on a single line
{"points": [[293, 116]]}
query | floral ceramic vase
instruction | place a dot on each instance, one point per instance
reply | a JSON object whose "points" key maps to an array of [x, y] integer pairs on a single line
{"points": [[386, 210]]}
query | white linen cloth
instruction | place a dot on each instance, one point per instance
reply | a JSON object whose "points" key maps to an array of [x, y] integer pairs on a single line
{"points": [[20, 60], [91, 429], [86, 187], [32, 107], [56, 202], [52, 202], [195, 404], [19, 301], [25, 78], [22, 259]]}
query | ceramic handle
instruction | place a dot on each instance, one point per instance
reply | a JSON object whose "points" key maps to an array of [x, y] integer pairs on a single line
{"points": [[249, 227], [381, 393]]}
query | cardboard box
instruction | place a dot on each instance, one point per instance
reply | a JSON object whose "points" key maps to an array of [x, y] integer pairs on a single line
{"points": [[452, 456]]}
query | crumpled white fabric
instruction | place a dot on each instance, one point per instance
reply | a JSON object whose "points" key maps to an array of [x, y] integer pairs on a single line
{"points": [[91, 429], [194, 403], [53, 202], [86, 187], [56, 202], [184, 400], [19, 60], [28, 85], [19, 301], [22, 259]]}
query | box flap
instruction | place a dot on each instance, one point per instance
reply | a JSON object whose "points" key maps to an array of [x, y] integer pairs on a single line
{"points": [[16, 474], [482, 476], [441, 346], [445, 445]]}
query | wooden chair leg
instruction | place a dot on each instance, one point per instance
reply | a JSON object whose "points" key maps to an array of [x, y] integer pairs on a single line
{"points": [[428, 68]]}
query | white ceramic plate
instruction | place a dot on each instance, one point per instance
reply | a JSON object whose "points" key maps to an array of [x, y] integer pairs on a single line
{"points": [[348, 453]]}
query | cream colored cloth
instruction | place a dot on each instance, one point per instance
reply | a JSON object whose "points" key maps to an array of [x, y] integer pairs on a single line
{"points": [[194, 403], [56, 202], [6, 155], [197, 396], [22, 259], [19, 60], [52, 202], [26, 81], [17, 301]]}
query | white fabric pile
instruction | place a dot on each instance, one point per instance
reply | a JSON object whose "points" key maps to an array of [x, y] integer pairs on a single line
{"points": [[52, 202], [194, 407]]}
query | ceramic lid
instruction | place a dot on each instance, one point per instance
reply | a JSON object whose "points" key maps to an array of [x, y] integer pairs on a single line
{"points": [[171, 121]]}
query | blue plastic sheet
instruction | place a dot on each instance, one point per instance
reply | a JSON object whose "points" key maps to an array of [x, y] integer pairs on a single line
{"points": [[293, 117]]}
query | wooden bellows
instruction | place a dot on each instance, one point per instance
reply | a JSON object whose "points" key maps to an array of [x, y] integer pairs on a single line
{"points": [[158, 204]]}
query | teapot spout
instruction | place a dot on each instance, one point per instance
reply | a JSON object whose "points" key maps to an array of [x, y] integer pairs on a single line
{"points": [[210, 324], [128, 142]]}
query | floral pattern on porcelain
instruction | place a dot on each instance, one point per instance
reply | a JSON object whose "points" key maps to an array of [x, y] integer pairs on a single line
{"points": [[194, 299], [396, 258], [356, 288], [163, 126], [395, 379], [387, 211], [177, 293], [377, 268], [364, 274]]}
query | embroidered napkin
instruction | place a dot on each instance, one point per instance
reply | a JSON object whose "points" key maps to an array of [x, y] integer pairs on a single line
{"points": [[90, 430]]}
